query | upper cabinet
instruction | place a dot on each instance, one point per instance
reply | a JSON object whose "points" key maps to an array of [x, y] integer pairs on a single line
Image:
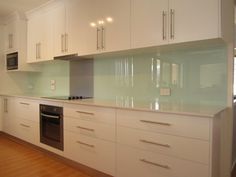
{"points": [[40, 36], [87, 27], [158, 22]]}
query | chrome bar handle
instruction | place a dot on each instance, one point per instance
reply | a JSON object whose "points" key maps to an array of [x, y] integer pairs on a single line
{"points": [[84, 128], [24, 103], [154, 122], [85, 144], [62, 43], [164, 28], [66, 42], [5, 105], [39, 50], [103, 38], [172, 26], [23, 125], [50, 116], [155, 143], [155, 164], [83, 112], [98, 31]]}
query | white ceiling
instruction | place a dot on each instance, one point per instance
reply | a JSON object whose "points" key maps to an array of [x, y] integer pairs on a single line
{"points": [[8, 6]]}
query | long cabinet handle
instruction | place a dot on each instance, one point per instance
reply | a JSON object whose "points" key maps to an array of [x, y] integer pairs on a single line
{"points": [[154, 122], [84, 128], [50, 116], [172, 23], [5, 105], [24, 103], [62, 42], [66, 42], [24, 125], [39, 50], [36, 50], [83, 112], [98, 31], [85, 144], [155, 164], [154, 143], [164, 23], [103, 38]]}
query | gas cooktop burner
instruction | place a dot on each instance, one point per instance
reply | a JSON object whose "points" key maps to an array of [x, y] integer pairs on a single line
{"points": [[68, 97]]}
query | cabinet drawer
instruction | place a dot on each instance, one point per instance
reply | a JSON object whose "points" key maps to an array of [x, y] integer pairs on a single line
{"points": [[27, 131], [27, 109], [195, 127], [90, 113], [132, 162], [165, 144], [92, 152], [89, 128]]}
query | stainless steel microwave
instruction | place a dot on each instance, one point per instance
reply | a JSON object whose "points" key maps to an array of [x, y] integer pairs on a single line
{"points": [[12, 61]]}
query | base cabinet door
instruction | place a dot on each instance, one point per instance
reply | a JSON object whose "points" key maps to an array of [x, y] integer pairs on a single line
{"points": [[91, 152], [133, 162]]}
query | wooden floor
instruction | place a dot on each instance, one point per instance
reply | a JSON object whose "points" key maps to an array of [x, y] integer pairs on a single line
{"points": [[17, 160]]}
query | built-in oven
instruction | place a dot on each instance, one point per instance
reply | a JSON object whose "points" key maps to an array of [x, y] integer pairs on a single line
{"points": [[12, 61], [51, 126]]}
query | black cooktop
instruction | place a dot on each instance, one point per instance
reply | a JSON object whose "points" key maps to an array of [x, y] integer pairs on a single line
{"points": [[67, 97]]}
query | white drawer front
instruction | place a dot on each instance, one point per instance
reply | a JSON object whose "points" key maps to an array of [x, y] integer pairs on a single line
{"points": [[136, 163], [27, 131], [94, 153], [27, 109], [165, 144], [90, 113], [91, 129], [187, 126]]}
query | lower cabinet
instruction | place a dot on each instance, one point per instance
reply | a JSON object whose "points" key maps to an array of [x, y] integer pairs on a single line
{"points": [[133, 162], [92, 152]]}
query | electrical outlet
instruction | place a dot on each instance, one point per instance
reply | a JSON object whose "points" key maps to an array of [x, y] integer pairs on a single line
{"points": [[53, 87], [165, 91], [53, 84]]}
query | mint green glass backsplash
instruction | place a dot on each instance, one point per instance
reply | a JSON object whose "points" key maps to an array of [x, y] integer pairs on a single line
{"points": [[194, 76], [39, 83]]}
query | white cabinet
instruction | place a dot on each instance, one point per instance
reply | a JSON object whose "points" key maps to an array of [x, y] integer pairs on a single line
{"points": [[90, 136], [97, 26], [161, 144], [27, 120], [158, 22], [8, 119], [40, 36], [15, 32]]}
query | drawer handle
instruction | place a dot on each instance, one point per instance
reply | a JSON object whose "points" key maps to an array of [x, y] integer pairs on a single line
{"points": [[155, 143], [24, 103], [88, 113], [153, 122], [84, 128], [23, 125], [155, 164], [85, 144]]}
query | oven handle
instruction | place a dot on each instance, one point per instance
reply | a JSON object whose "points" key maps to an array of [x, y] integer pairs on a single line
{"points": [[50, 116]]}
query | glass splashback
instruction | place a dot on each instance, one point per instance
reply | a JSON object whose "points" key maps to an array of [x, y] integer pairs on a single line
{"points": [[194, 76]]}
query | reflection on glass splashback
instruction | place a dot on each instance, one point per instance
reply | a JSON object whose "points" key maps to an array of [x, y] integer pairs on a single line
{"points": [[194, 76]]}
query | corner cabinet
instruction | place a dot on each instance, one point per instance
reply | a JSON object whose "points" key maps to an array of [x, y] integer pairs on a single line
{"points": [[158, 22]]}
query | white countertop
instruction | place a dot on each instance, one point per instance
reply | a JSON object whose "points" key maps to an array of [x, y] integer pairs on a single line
{"points": [[202, 110]]}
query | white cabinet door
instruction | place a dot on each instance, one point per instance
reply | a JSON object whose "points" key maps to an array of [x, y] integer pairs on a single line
{"points": [[81, 35], [149, 23], [11, 36], [59, 29], [193, 20], [116, 22]]}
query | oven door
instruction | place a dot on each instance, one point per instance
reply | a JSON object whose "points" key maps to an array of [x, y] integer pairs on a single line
{"points": [[12, 61], [51, 130]]}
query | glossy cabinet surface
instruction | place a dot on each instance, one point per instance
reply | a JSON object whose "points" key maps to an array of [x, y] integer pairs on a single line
{"points": [[40, 33]]}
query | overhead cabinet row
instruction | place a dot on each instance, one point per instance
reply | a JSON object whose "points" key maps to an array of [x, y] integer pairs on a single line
{"points": [[88, 27]]}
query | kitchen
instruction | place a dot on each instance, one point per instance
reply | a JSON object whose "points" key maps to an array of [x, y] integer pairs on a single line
{"points": [[157, 78]]}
